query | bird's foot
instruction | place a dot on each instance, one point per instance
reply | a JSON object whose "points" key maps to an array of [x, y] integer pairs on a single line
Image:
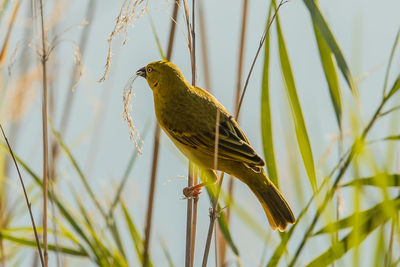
{"points": [[193, 191]]}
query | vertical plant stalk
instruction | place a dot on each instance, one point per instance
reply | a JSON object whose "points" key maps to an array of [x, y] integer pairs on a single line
{"points": [[156, 146], [242, 39], [45, 137], [189, 214], [281, 3], [2, 254], [192, 205], [26, 199], [204, 48], [214, 212], [194, 219], [151, 196]]}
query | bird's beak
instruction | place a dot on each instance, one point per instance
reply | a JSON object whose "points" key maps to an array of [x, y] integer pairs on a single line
{"points": [[141, 72]]}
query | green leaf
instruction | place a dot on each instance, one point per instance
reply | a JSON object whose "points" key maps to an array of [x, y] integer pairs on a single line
{"points": [[379, 212], [297, 114], [79, 171], [153, 28], [389, 180], [135, 235], [353, 239], [326, 33], [266, 120], [52, 247], [395, 87], [396, 41], [167, 254], [330, 74]]}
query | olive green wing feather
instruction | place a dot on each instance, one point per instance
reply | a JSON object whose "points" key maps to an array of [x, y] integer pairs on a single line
{"points": [[232, 143]]}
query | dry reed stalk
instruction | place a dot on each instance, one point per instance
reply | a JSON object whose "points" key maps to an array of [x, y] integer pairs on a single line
{"points": [[192, 205], [26, 199], [8, 34], [214, 212], [242, 39], [204, 48], [281, 3], [189, 215], [194, 219], [156, 148], [45, 137]]}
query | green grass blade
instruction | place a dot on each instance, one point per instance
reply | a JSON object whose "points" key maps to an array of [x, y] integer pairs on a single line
{"points": [[353, 239], [137, 239], [390, 180], [331, 74], [326, 33], [395, 87], [153, 28], [396, 41], [297, 114], [78, 170], [52, 247], [266, 120], [167, 254], [127, 171], [378, 212]]}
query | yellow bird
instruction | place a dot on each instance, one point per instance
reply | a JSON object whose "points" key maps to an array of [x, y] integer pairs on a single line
{"points": [[188, 115]]}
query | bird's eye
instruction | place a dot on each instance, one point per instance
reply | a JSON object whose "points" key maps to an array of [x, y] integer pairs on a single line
{"points": [[149, 69]]}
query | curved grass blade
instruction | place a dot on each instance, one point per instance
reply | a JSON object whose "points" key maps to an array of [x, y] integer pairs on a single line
{"points": [[167, 254], [390, 180], [353, 239], [378, 212], [32, 243], [127, 171], [153, 28], [137, 239], [266, 120], [297, 114], [395, 87], [396, 41], [331, 74], [79, 171], [326, 33], [68, 215]]}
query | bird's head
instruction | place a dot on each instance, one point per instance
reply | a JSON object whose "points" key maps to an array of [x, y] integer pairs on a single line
{"points": [[161, 74]]}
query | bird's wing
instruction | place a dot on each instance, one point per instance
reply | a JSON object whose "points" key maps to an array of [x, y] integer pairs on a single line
{"points": [[232, 143]]}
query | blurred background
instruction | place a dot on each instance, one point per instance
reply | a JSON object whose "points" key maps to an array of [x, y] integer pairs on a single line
{"points": [[98, 138]]}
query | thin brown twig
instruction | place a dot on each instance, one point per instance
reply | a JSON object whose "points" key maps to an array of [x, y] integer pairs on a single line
{"points": [[156, 150], [189, 214], [45, 137], [26, 198], [204, 48], [281, 3], [237, 97]]}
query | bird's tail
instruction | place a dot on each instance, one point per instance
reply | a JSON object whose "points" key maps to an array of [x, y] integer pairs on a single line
{"points": [[275, 206]]}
